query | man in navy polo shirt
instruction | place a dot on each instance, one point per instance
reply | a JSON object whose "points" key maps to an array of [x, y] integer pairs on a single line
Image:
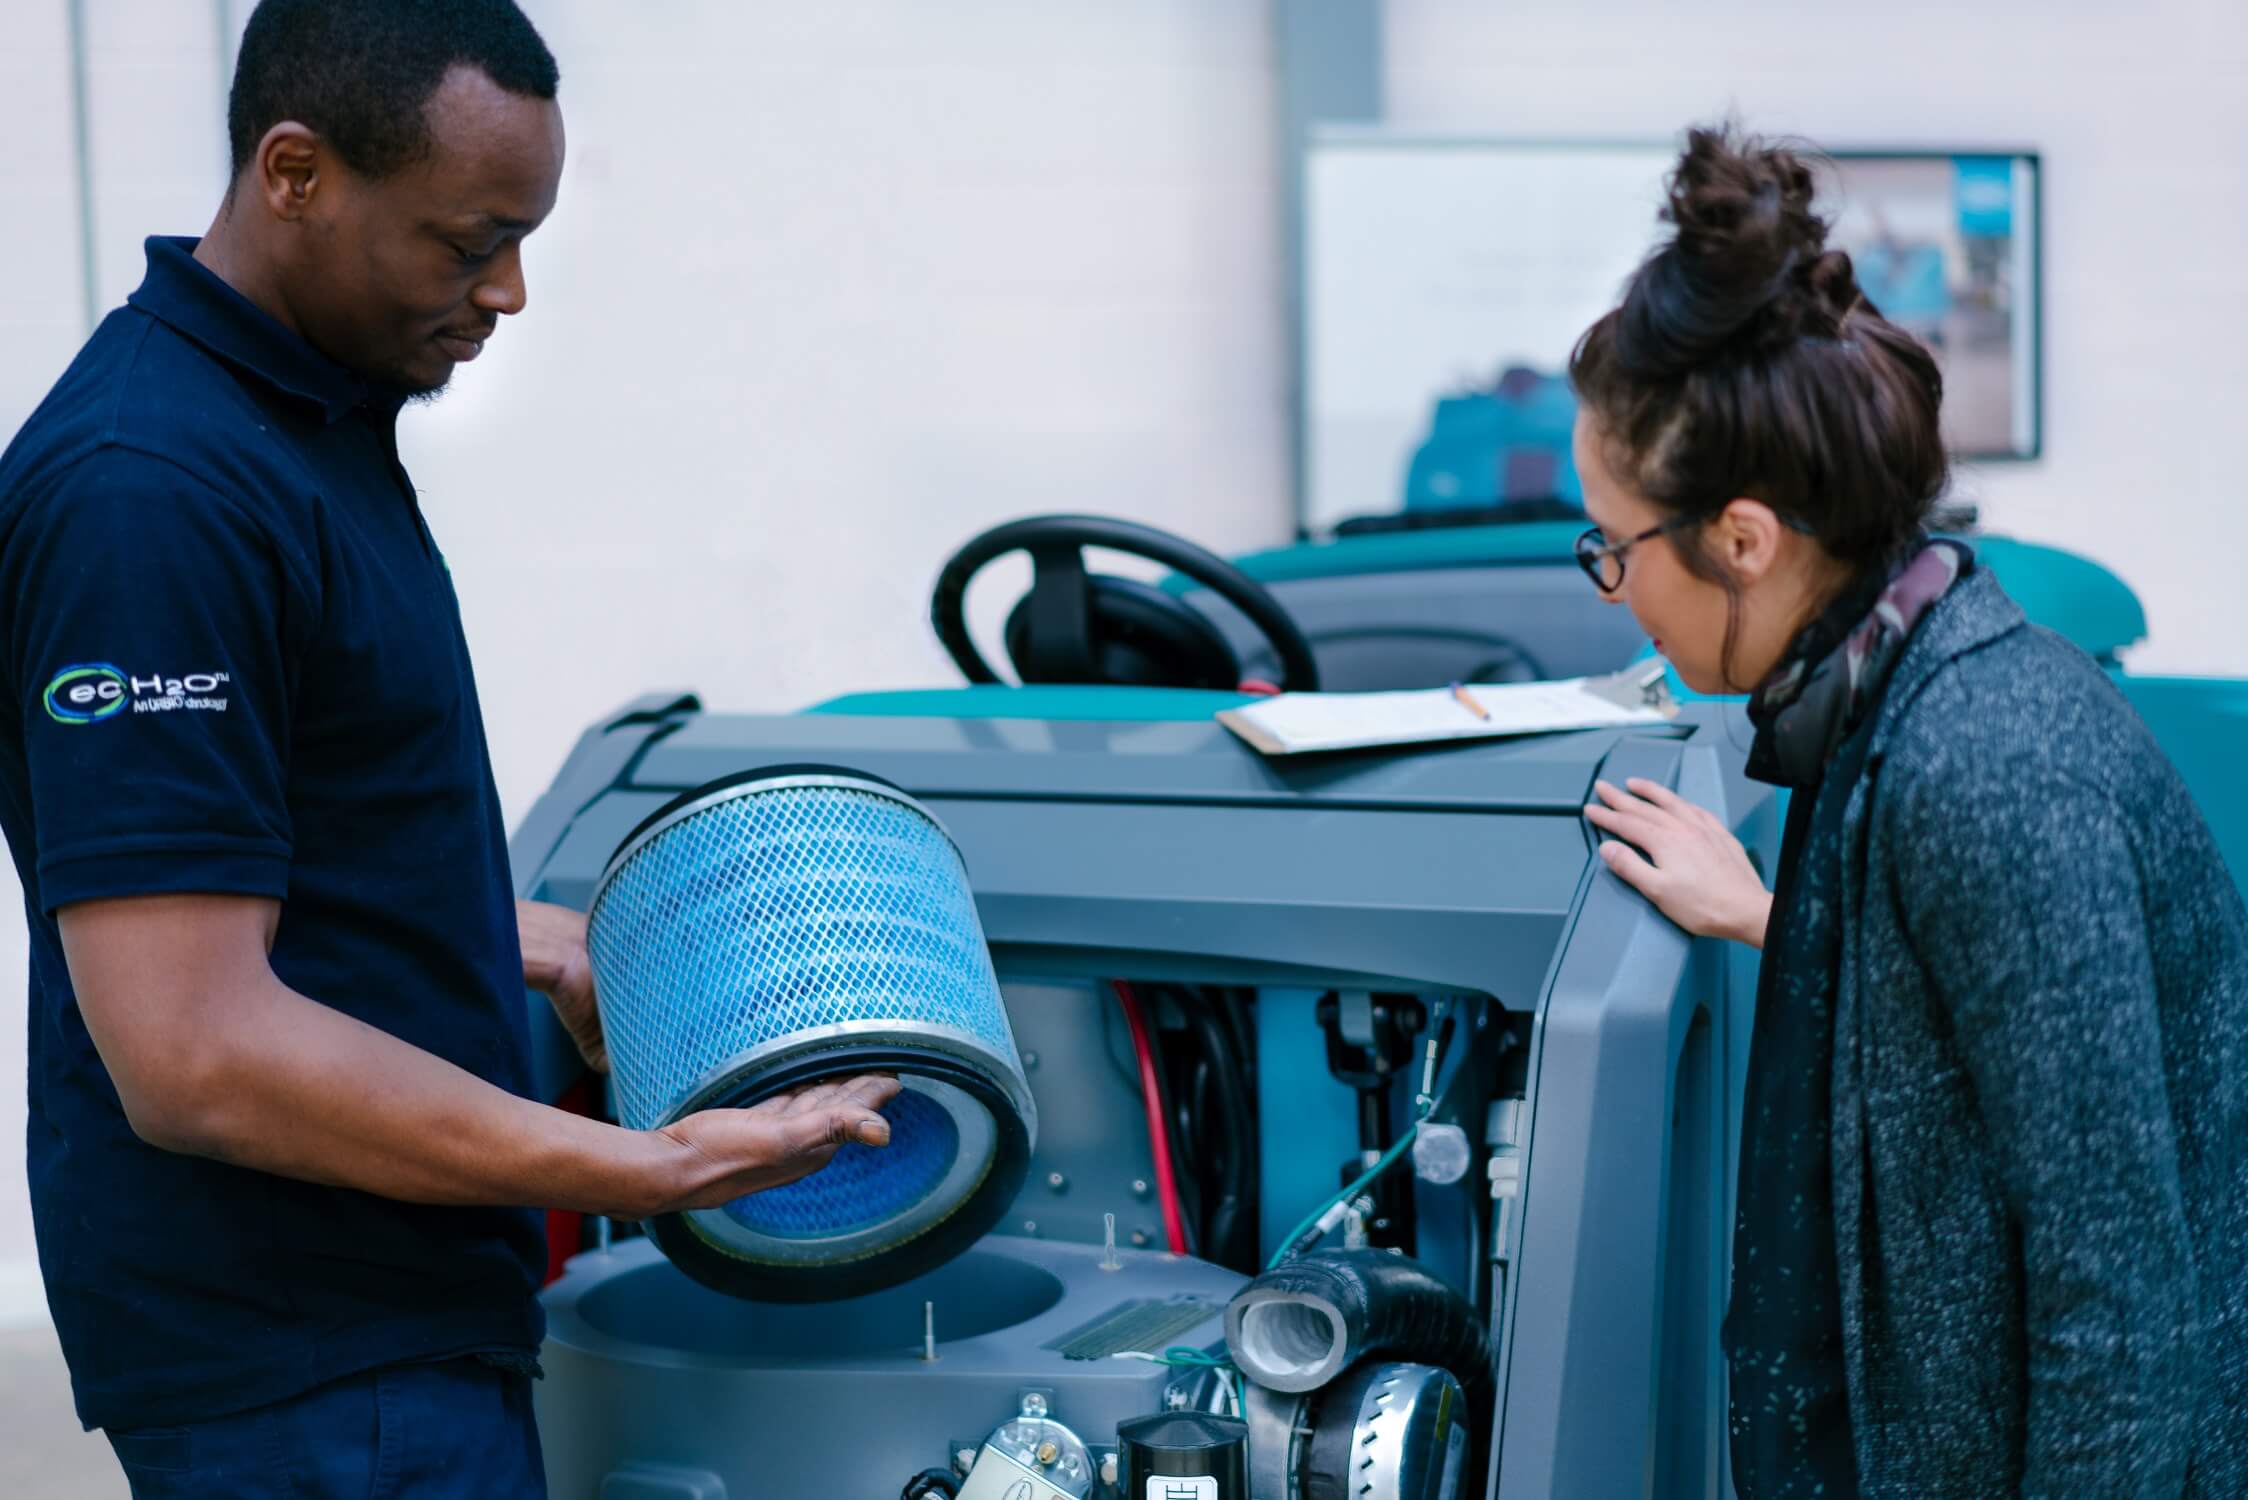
{"points": [[279, 1149]]}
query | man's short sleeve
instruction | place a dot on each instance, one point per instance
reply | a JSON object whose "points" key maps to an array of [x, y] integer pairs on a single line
{"points": [[158, 624]]}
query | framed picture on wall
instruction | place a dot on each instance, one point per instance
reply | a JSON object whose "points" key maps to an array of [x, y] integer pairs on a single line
{"points": [[1446, 278]]}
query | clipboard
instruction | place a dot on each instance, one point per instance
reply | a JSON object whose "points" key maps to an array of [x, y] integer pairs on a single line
{"points": [[1307, 723]]}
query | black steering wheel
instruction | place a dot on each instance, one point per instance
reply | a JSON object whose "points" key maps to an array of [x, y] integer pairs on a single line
{"points": [[1078, 627]]}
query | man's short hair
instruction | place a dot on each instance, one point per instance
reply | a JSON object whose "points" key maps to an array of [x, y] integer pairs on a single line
{"points": [[359, 72]]}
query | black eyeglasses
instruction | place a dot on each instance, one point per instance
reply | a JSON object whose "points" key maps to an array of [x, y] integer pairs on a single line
{"points": [[1603, 560]]}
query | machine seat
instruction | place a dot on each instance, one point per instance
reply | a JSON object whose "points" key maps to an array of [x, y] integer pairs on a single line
{"points": [[2069, 594]]}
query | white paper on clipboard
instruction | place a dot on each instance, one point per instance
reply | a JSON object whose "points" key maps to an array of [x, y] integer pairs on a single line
{"points": [[1301, 723]]}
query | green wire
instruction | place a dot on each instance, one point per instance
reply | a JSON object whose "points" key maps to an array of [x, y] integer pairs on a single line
{"points": [[1185, 1354], [1388, 1159], [1192, 1358]]}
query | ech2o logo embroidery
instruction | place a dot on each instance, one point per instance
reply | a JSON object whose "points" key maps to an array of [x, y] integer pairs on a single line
{"points": [[93, 691], [80, 695]]}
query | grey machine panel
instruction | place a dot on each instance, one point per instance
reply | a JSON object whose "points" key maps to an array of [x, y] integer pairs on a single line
{"points": [[1169, 851], [658, 1387]]}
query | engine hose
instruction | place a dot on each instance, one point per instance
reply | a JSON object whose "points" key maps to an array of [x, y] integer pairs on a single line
{"points": [[1231, 1147], [1301, 1325]]}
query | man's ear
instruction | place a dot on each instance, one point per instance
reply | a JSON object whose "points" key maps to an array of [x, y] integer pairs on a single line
{"points": [[1745, 536], [286, 172]]}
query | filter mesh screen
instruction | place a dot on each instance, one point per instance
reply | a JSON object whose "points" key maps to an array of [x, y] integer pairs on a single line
{"points": [[783, 910], [860, 1186]]}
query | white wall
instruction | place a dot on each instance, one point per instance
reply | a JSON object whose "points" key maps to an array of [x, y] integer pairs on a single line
{"points": [[2142, 114], [829, 289], [40, 324], [158, 149]]}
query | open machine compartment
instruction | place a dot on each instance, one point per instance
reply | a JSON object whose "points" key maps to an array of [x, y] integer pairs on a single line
{"points": [[1593, 1072]]}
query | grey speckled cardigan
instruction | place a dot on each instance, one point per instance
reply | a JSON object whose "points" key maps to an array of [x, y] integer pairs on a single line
{"points": [[2040, 1089]]}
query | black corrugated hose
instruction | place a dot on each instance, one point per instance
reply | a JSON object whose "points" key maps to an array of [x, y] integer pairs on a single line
{"points": [[1390, 1308]]}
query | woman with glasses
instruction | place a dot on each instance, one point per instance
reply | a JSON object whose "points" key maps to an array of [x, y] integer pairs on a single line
{"points": [[1993, 1199]]}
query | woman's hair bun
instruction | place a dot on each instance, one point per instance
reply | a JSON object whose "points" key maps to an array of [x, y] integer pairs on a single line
{"points": [[1743, 361], [1747, 268]]}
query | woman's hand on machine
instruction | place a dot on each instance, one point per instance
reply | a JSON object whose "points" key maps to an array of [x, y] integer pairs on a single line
{"points": [[776, 1141], [1694, 870]]}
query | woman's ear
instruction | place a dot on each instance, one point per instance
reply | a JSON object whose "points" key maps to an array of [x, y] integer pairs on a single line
{"points": [[1745, 537]]}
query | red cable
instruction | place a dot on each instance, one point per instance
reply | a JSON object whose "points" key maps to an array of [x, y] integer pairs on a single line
{"points": [[1158, 1139]]}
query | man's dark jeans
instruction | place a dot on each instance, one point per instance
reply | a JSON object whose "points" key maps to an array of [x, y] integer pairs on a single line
{"points": [[458, 1428]]}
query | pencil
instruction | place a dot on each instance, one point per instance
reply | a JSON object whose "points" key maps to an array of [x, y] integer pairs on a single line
{"points": [[1468, 700]]}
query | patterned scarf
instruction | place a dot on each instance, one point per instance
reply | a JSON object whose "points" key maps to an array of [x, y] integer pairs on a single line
{"points": [[1835, 669]]}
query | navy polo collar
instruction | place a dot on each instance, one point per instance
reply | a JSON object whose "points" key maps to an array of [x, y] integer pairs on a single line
{"points": [[181, 291]]}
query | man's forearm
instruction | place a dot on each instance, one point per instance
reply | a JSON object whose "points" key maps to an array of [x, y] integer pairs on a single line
{"points": [[296, 1088], [213, 1055]]}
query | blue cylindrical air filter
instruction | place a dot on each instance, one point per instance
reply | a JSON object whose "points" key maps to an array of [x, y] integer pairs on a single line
{"points": [[795, 924]]}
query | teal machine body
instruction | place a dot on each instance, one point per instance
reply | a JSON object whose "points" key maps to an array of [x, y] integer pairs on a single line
{"points": [[1504, 602], [1585, 1099]]}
